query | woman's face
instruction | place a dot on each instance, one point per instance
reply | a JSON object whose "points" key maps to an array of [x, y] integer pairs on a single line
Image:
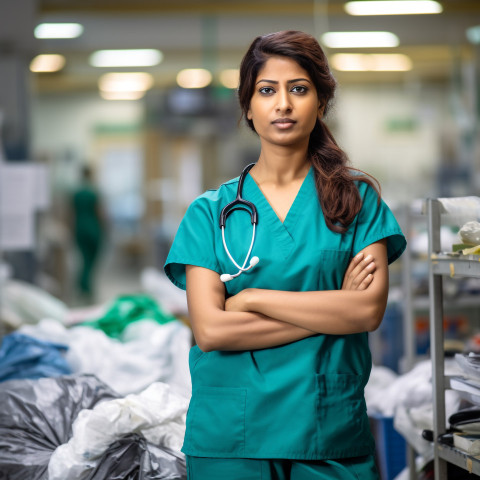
{"points": [[285, 105]]}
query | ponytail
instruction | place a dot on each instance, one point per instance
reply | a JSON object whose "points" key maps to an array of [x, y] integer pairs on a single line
{"points": [[335, 180]]}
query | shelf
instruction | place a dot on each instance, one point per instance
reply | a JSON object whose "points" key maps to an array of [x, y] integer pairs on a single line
{"points": [[440, 265], [455, 265], [467, 392], [459, 458], [461, 301]]}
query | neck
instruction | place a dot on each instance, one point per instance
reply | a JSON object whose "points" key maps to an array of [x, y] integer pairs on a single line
{"points": [[281, 165]]}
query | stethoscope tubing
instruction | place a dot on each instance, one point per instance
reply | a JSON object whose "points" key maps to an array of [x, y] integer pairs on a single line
{"points": [[239, 200], [242, 268], [239, 203]]}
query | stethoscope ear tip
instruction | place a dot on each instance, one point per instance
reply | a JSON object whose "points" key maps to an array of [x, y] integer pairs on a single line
{"points": [[226, 277], [254, 261]]}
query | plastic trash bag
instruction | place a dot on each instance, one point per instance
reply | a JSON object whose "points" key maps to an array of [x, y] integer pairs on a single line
{"points": [[36, 416], [28, 304], [127, 309], [22, 356], [133, 458], [149, 353], [157, 413]]}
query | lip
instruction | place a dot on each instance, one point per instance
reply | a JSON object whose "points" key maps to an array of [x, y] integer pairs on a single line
{"points": [[284, 122]]}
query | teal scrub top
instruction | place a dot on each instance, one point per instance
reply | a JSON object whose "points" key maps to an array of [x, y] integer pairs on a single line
{"points": [[304, 400]]}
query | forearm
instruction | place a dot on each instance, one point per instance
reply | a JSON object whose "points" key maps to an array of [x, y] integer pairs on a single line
{"points": [[220, 330], [214, 328], [336, 312]]}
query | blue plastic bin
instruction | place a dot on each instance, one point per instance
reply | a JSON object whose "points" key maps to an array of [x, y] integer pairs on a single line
{"points": [[390, 445]]}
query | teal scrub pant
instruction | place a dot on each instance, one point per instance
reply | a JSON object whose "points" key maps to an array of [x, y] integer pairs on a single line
{"points": [[356, 468]]}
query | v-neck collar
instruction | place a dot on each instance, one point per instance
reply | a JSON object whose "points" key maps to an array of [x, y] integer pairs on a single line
{"points": [[283, 231]]}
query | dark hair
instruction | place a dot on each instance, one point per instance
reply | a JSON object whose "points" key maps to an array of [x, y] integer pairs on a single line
{"points": [[335, 180]]}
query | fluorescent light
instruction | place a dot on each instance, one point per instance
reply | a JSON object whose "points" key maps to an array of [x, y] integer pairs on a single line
{"points": [[473, 35], [371, 62], [390, 7], [121, 95], [230, 77], [126, 58], [194, 78], [125, 82], [58, 30], [47, 63], [360, 39]]}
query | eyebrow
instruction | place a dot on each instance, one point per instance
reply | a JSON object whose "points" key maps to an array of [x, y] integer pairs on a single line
{"points": [[288, 81]]}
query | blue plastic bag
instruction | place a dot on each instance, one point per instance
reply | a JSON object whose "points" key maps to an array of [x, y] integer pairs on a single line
{"points": [[23, 357]]}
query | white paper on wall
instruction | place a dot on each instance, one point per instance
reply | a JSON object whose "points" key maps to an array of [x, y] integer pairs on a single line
{"points": [[17, 231], [23, 190]]}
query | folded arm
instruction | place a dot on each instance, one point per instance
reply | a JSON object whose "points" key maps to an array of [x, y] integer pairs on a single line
{"points": [[336, 312], [255, 318], [217, 329]]}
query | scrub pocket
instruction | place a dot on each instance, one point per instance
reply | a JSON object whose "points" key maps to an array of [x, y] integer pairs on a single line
{"points": [[216, 422], [341, 411], [332, 267]]}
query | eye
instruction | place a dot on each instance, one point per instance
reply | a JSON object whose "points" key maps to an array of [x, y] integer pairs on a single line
{"points": [[266, 90], [299, 89]]}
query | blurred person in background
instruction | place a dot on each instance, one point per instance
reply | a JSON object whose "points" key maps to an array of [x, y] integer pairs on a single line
{"points": [[282, 354], [88, 230]]}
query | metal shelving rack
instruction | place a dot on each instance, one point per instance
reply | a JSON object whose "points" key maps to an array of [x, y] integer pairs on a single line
{"points": [[440, 265]]}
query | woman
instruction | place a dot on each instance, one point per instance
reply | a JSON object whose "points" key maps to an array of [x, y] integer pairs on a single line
{"points": [[282, 354]]}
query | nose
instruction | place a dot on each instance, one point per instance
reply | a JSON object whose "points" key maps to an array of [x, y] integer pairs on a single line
{"points": [[283, 102]]}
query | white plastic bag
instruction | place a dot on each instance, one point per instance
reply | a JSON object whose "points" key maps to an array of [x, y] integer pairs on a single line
{"points": [[151, 353], [157, 413], [28, 304]]}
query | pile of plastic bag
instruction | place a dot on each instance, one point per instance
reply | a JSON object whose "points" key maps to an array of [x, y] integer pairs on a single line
{"points": [[146, 352], [22, 356], [103, 398], [127, 309], [76, 428], [23, 303]]}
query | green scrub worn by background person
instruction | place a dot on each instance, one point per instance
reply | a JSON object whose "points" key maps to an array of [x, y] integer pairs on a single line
{"points": [[88, 230], [282, 354]]}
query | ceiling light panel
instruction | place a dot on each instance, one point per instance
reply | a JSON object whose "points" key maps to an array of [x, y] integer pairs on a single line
{"points": [[47, 63], [357, 62], [58, 30], [391, 7], [473, 35], [122, 95], [125, 82], [360, 40], [230, 77], [146, 57], [194, 78]]}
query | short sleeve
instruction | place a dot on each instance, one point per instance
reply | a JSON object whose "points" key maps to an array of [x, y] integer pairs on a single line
{"points": [[193, 243], [375, 222]]}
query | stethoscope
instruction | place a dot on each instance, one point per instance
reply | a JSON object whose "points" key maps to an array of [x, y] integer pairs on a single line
{"points": [[239, 204]]}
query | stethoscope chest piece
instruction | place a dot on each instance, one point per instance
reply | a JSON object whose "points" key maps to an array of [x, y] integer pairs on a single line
{"points": [[239, 204]]}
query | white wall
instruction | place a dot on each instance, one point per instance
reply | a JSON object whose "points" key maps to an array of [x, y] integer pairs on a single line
{"points": [[66, 122], [404, 161]]}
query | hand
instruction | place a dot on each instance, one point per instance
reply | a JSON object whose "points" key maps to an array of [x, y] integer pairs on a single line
{"points": [[359, 274], [237, 303]]}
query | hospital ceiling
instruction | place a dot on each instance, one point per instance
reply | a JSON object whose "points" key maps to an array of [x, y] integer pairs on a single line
{"points": [[214, 34]]}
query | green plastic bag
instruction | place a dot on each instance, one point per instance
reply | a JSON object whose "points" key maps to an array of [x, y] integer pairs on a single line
{"points": [[127, 309]]}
